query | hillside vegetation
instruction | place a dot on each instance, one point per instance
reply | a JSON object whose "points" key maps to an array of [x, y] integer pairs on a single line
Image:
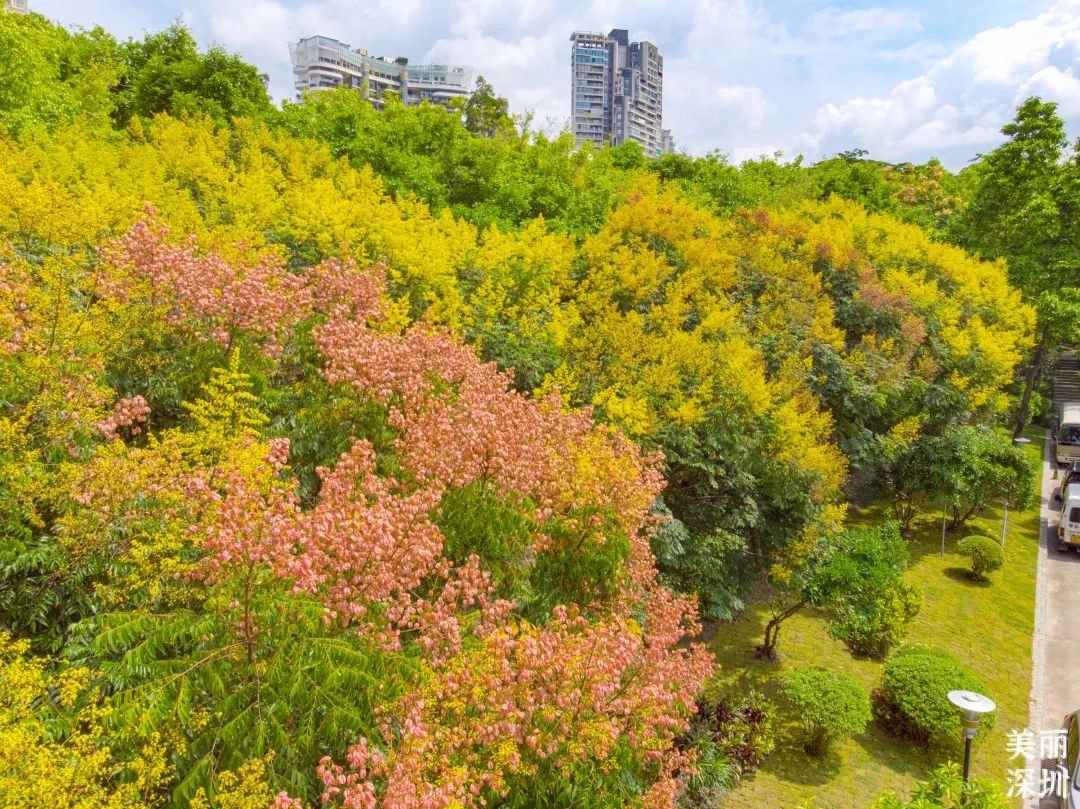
{"points": [[339, 474]]}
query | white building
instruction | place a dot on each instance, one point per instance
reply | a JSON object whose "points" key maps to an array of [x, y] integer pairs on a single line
{"points": [[321, 63], [18, 6], [616, 91]]}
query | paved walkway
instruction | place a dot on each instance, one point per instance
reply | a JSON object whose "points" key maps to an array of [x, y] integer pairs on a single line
{"points": [[1055, 652], [1055, 676]]}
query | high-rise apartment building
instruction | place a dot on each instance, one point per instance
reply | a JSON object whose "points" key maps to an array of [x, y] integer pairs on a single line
{"points": [[321, 63], [18, 6], [616, 87], [667, 143]]}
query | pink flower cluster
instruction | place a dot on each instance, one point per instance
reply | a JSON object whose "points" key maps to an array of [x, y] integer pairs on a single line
{"points": [[536, 700], [252, 526], [460, 421], [369, 551], [216, 299], [129, 414], [204, 292]]}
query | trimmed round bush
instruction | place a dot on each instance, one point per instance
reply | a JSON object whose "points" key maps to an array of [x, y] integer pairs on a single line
{"points": [[912, 700], [828, 705], [985, 554]]}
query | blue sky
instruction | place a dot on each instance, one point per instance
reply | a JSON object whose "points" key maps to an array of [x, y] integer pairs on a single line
{"points": [[906, 81]]}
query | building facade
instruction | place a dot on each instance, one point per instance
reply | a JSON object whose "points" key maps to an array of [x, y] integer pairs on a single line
{"points": [[18, 6], [667, 143], [322, 63], [617, 91]]}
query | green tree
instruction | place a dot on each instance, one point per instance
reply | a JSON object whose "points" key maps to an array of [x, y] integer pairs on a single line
{"points": [[852, 176], [909, 479], [166, 73], [850, 573], [426, 151], [978, 467], [873, 628], [713, 182], [1058, 313], [50, 76], [970, 467], [1023, 209], [487, 114]]}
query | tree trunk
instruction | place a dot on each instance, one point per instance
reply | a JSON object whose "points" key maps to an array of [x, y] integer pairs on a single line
{"points": [[960, 516], [1033, 372], [766, 650]]}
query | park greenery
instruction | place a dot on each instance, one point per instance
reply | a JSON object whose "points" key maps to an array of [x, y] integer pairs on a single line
{"points": [[985, 554], [946, 789], [830, 705], [858, 573], [393, 458], [912, 699]]}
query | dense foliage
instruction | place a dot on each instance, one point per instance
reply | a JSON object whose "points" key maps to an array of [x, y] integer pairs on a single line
{"points": [[338, 447], [985, 554], [227, 606], [730, 739], [827, 706], [1022, 207], [743, 730], [970, 468], [875, 626], [912, 698], [857, 576]]}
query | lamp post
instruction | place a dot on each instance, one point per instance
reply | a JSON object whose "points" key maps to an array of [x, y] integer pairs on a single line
{"points": [[1020, 442], [944, 506], [972, 706]]}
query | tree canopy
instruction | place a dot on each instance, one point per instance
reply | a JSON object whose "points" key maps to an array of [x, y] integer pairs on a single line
{"points": [[391, 454]]}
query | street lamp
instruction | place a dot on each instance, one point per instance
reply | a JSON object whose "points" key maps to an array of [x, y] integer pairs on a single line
{"points": [[972, 706]]}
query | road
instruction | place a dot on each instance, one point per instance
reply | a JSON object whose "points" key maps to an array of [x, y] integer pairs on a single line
{"points": [[1055, 687]]}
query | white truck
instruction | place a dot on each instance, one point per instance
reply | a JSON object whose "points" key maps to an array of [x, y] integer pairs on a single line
{"points": [[1067, 437], [1068, 533]]}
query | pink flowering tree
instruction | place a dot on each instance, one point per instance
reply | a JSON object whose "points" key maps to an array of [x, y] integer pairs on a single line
{"points": [[209, 297], [458, 671]]}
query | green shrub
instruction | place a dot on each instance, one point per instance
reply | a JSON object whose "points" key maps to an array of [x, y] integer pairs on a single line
{"points": [[912, 700], [715, 775], [875, 629], [829, 705], [985, 554], [945, 789]]}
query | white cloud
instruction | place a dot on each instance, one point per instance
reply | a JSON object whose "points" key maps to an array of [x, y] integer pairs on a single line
{"points": [[875, 19], [923, 51], [1063, 86], [961, 101], [743, 153], [907, 79]]}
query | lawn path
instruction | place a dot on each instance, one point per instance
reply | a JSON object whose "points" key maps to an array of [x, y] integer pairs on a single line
{"points": [[987, 626]]}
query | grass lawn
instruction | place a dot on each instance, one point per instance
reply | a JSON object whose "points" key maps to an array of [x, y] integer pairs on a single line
{"points": [[987, 627]]}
